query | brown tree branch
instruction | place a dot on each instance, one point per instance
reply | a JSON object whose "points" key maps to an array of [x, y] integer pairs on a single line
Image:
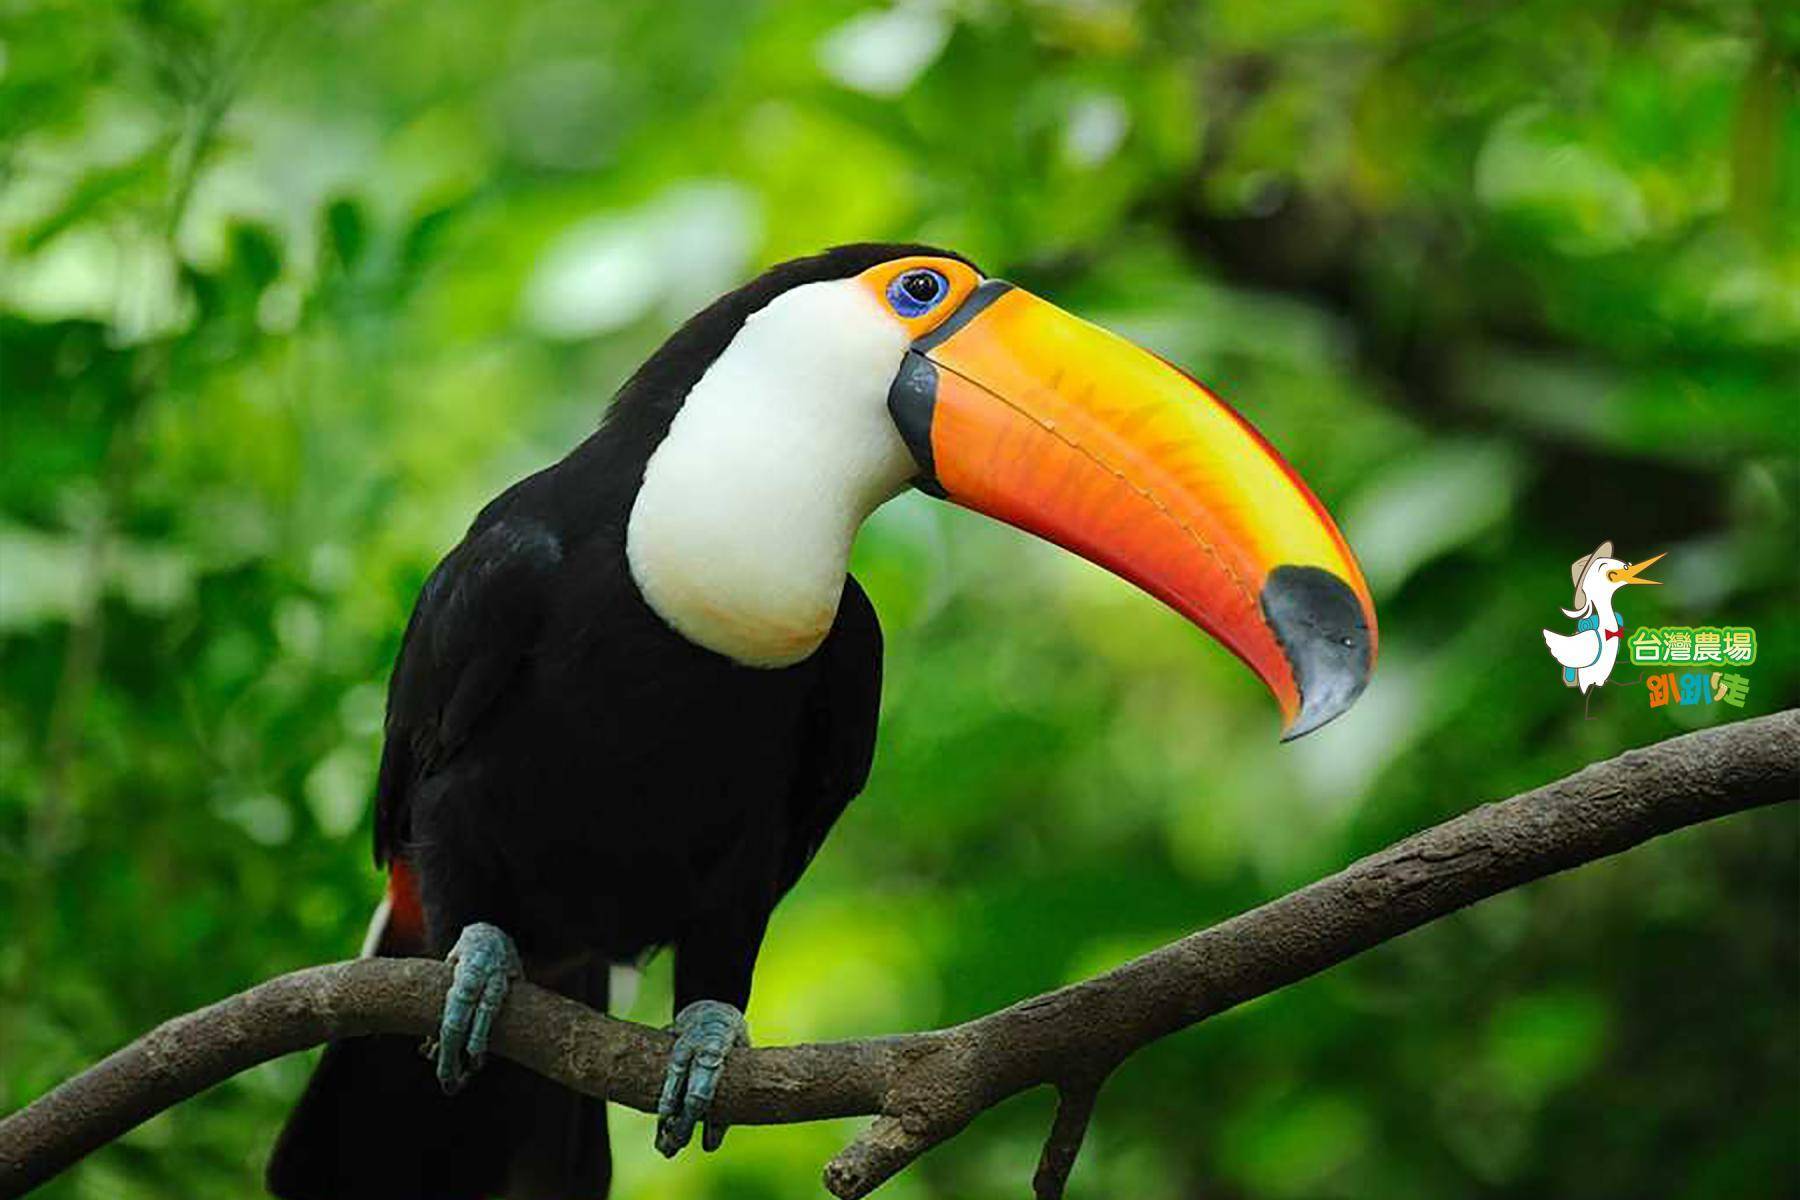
{"points": [[1074, 1110], [924, 1087]]}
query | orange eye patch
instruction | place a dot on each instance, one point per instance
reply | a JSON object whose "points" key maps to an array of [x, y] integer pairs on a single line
{"points": [[920, 291]]}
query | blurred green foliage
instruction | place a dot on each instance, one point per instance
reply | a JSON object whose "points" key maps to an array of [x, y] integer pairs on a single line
{"points": [[288, 290]]}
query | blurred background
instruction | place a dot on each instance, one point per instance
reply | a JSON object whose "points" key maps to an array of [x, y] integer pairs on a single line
{"points": [[288, 290]]}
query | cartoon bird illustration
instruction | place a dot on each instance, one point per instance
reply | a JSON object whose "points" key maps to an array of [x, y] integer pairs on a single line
{"points": [[1587, 656]]}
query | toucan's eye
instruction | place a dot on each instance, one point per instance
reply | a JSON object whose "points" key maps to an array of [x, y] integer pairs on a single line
{"points": [[914, 293]]}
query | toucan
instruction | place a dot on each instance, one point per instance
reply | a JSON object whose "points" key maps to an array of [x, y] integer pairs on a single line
{"points": [[633, 700]]}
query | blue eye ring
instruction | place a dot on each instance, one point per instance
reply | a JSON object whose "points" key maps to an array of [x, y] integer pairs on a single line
{"points": [[916, 292]]}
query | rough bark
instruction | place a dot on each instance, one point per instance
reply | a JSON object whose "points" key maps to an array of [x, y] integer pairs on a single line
{"points": [[924, 1087]]}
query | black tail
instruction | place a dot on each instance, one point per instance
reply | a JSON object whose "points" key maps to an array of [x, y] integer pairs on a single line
{"points": [[374, 1125]]}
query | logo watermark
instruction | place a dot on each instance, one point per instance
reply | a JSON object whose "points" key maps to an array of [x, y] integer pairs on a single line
{"points": [[1654, 645], [1589, 654], [1697, 687]]}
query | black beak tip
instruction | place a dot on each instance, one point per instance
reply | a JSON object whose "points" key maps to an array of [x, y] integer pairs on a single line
{"points": [[1323, 631]]}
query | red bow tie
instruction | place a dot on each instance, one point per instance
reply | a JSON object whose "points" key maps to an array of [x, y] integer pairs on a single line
{"points": [[1613, 633]]}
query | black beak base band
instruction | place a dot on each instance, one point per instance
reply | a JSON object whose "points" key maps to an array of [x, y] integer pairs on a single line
{"points": [[912, 398]]}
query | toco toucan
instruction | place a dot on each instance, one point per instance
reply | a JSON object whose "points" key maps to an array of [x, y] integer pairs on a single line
{"points": [[633, 700]]}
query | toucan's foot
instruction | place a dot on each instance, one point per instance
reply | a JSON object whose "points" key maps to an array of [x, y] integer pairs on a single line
{"points": [[486, 963], [705, 1032]]}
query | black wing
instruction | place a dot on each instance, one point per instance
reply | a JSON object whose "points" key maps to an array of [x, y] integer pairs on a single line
{"points": [[476, 619], [838, 742]]}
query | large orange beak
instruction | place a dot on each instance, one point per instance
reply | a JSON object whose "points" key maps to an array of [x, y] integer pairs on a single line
{"points": [[1018, 410]]}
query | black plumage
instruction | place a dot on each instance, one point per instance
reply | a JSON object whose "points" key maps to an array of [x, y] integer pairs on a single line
{"points": [[560, 763]]}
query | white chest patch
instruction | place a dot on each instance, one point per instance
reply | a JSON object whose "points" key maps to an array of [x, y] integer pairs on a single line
{"points": [[740, 537]]}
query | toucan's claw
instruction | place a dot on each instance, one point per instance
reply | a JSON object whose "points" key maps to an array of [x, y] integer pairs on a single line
{"points": [[705, 1032], [486, 963]]}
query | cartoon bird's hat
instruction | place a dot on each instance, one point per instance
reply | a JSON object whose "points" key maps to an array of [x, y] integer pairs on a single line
{"points": [[1576, 572]]}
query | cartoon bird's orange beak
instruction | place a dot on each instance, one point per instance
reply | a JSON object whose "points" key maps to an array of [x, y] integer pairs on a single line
{"points": [[1019, 410], [1631, 574]]}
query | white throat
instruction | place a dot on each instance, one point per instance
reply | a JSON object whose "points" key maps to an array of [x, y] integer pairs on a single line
{"points": [[1603, 606], [740, 536]]}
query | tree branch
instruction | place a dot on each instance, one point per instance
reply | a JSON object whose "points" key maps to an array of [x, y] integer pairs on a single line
{"points": [[1074, 1109], [924, 1087]]}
